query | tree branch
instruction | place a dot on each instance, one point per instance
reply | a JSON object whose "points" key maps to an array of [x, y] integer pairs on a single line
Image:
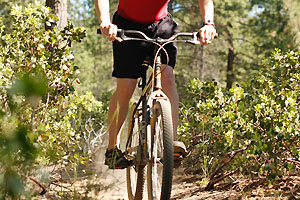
{"points": [[225, 161], [211, 184], [44, 190]]}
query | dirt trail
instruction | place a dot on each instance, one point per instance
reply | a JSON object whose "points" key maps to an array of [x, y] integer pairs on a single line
{"points": [[111, 185], [189, 187]]}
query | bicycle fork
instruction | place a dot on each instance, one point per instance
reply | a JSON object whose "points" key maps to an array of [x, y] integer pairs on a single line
{"points": [[143, 156]]}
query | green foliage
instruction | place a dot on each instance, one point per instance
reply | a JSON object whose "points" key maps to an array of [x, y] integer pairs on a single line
{"points": [[6, 6], [71, 129], [261, 116], [42, 120], [271, 27], [251, 29], [94, 53], [29, 48]]}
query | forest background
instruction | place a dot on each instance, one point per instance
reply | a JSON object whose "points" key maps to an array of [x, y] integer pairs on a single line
{"points": [[62, 122]]}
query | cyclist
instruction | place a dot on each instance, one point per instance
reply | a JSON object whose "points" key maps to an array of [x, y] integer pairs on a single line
{"points": [[152, 18]]}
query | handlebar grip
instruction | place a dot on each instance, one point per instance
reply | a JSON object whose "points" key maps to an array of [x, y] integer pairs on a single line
{"points": [[216, 36], [99, 31]]}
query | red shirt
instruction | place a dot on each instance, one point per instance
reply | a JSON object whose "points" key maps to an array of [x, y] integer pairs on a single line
{"points": [[143, 11]]}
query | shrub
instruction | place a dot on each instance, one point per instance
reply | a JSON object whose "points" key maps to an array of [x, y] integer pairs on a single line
{"points": [[42, 120], [259, 118]]}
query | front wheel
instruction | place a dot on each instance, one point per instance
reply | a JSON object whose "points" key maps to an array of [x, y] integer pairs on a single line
{"points": [[160, 167]]}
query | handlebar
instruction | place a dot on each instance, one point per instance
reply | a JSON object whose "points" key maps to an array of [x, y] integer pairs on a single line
{"points": [[123, 35]]}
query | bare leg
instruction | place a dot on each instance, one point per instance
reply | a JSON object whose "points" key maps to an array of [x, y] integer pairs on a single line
{"points": [[118, 108], [169, 88]]}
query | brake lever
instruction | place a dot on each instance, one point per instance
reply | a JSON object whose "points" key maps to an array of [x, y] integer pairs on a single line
{"points": [[121, 36], [195, 40]]}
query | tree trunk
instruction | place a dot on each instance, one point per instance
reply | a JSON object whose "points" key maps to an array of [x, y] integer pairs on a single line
{"points": [[59, 8], [230, 75], [197, 65], [170, 7], [201, 65]]}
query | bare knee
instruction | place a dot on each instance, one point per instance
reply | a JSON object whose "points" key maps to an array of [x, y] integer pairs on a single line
{"points": [[125, 89]]}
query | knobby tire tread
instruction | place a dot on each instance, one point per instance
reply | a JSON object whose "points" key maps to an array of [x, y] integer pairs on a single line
{"points": [[167, 127]]}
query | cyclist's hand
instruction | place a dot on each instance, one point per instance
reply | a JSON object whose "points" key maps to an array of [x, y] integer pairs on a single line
{"points": [[207, 34], [109, 30]]}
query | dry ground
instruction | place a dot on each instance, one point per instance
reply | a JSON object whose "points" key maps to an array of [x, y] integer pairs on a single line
{"points": [[111, 185], [104, 184], [190, 188]]}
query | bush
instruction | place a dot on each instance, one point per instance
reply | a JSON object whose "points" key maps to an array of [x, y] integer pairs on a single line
{"points": [[42, 120], [257, 122]]}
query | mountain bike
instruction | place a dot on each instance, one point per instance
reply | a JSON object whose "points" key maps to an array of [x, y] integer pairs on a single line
{"points": [[150, 130]]}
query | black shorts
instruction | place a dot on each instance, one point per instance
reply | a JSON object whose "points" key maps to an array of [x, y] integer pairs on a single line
{"points": [[130, 55]]}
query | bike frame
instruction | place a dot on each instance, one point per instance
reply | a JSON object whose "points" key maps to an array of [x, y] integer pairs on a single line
{"points": [[154, 85]]}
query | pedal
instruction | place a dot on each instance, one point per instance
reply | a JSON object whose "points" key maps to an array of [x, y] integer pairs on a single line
{"points": [[119, 168], [177, 157]]}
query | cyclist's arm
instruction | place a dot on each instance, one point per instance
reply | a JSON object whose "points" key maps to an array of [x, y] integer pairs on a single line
{"points": [[107, 28], [207, 32]]}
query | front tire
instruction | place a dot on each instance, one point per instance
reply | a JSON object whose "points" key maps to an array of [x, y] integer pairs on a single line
{"points": [[160, 167]]}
